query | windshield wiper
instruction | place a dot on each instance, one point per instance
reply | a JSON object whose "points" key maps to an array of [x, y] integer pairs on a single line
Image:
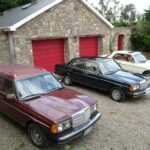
{"points": [[32, 96], [57, 88], [111, 72]]}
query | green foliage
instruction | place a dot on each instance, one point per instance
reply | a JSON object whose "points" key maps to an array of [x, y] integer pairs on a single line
{"points": [[109, 9], [75, 148], [146, 16], [8, 4], [128, 14], [120, 24], [140, 37]]}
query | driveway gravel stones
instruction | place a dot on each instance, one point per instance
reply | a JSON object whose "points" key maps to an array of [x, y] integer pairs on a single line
{"points": [[123, 126]]}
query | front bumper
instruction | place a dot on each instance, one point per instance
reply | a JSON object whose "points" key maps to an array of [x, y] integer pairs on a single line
{"points": [[147, 91], [74, 133], [139, 93]]}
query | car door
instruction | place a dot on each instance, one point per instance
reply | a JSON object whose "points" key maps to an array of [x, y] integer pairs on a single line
{"points": [[93, 75], [77, 71], [8, 102]]}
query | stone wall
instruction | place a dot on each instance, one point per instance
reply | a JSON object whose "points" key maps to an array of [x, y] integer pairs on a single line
{"points": [[70, 20], [4, 52], [126, 31]]}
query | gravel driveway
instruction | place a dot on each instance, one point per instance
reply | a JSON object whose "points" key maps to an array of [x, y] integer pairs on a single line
{"points": [[123, 126]]}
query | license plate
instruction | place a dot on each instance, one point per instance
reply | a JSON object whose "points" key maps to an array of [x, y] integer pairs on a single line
{"points": [[87, 131], [147, 91]]}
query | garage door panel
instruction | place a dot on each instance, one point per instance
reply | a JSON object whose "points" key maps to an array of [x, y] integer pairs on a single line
{"points": [[48, 53], [89, 46]]}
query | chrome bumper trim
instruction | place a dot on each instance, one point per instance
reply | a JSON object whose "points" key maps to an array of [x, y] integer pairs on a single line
{"points": [[74, 133]]}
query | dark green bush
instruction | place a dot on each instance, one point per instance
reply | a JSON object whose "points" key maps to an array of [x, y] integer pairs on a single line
{"points": [[8, 4]]}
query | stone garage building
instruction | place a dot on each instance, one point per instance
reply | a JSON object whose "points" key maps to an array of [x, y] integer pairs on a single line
{"points": [[48, 32]]}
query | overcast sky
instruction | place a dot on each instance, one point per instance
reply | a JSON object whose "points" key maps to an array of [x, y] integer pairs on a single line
{"points": [[139, 4]]}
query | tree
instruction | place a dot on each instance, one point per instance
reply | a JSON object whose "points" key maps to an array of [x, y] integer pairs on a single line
{"points": [[146, 15], [109, 9], [8, 4], [128, 14], [140, 37]]}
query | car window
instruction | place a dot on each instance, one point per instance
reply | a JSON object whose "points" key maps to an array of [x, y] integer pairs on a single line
{"points": [[8, 87], [140, 58], [1, 83], [78, 64], [109, 66], [129, 58], [124, 57], [39, 84], [120, 57], [92, 68]]}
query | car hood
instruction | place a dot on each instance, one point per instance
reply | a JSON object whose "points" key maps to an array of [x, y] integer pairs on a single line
{"points": [[60, 105], [145, 65], [125, 77]]}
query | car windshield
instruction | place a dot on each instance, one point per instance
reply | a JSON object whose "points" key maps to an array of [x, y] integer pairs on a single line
{"points": [[109, 66], [139, 58], [37, 85]]}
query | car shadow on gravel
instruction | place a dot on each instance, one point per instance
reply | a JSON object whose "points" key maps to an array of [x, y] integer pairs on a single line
{"points": [[84, 88], [12, 123], [136, 100], [23, 144]]}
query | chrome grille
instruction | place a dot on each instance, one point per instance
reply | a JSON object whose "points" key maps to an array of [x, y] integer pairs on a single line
{"points": [[143, 85], [81, 117]]}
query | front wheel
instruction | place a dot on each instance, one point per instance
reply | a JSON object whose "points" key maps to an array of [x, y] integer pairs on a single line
{"points": [[117, 94], [37, 136], [67, 80], [147, 74]]}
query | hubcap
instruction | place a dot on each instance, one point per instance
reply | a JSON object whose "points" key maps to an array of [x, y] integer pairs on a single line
{"points": [[116, 94], [36, 136], [67, 80]]}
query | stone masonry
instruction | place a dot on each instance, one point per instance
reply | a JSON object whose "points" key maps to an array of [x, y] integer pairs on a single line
{"points": [[70, 20], [126, 31]]}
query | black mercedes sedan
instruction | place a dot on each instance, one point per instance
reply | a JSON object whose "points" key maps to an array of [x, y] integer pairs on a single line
{"points": [[104, 74]]}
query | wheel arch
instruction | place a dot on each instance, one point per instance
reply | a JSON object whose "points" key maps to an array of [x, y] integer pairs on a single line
{"points": [[146, 71]]}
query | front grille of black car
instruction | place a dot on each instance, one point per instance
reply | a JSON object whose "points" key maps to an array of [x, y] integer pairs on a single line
{"points": [[81, 117]]}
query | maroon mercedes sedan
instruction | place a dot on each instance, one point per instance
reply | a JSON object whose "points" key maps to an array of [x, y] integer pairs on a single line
{"points": [[37, 101]]}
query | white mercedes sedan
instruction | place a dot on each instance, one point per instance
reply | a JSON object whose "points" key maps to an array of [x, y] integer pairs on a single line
{"points": [[132, 61]]}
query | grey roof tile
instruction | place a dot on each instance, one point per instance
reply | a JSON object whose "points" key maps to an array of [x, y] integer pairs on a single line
{"points": [[17, 14]]}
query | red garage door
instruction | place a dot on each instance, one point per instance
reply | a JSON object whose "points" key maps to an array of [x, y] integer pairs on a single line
{"points": [[48, 53], [89, 46]]}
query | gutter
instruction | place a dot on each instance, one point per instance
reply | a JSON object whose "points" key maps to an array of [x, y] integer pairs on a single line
{"points": [[11, 47]]}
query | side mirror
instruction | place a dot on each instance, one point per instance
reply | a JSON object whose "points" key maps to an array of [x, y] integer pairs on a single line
{"points": [[11, 96], [60, 80]]}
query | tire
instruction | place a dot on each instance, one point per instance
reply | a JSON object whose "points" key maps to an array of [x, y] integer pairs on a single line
{"points": [[37, 136], [117, 94], [147, 74], [67, 80]]}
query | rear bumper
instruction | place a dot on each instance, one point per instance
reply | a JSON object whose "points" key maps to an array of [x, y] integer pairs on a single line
{"points": [[74, 133]]}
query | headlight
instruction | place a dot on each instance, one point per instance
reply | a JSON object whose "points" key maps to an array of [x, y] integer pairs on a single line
{"points": [[93, 108], [134, 87], [56, 128], [148, 80]]}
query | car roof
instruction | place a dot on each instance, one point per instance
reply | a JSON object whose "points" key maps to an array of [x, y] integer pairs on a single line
{"points": [[17, 71], [126, 52], [92, 58]]}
